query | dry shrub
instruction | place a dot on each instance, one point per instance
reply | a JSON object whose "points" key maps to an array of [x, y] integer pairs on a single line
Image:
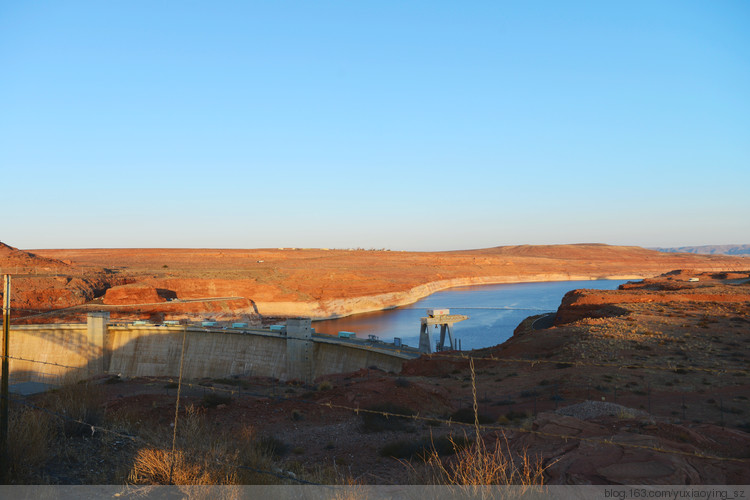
{"points": [[82, 404], [203, 456], [482, 465], [29, 435], [159, 466]]}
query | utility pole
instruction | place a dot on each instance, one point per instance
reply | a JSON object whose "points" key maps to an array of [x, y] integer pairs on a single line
{"points": [[4, 397]]}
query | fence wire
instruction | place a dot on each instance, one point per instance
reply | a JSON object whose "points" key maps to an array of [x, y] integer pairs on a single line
{"points": [[429, 419]]}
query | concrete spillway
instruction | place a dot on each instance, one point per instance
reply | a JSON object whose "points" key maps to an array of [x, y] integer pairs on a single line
{"points": [[66, 353]]}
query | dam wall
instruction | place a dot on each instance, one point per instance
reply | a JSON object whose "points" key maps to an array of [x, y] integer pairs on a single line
{"points": [[156, 352], [57, 354], [331, 358]]}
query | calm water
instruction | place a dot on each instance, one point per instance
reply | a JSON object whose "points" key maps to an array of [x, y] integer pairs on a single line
{"points": [[494, 312]]}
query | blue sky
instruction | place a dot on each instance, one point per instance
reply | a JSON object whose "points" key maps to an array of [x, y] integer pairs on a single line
{"points": [[403, 125]]}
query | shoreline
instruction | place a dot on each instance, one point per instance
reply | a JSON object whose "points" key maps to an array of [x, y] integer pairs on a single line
{"points": [[342, 308]]}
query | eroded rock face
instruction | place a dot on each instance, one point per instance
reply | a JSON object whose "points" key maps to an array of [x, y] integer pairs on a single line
{"points": [[41, 284], [133, 294], [627, 446], [15, 261], [673, 287]]}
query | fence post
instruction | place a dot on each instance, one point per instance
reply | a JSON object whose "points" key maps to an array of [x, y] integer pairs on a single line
{"points": [[4, 392]]}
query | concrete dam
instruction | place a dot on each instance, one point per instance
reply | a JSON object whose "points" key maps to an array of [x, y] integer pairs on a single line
{"points": [[65, 353]]}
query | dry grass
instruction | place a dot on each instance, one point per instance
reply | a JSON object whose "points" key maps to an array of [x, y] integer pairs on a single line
{"points": [[204, 456], [159, 466], [482, 465], [35, 437], [30, 434], [47, 449], [81, 403]]}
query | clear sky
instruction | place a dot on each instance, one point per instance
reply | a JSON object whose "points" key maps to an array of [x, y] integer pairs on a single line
{"points": [[405, 125]]}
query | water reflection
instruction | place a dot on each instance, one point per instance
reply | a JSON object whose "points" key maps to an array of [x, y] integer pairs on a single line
{"points": [[494, 312]]}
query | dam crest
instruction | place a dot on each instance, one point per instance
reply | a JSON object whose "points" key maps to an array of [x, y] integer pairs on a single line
{"points": [[64, 353]]}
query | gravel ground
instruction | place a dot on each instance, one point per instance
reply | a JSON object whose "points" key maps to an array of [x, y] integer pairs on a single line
{"points": [[595, 409]]}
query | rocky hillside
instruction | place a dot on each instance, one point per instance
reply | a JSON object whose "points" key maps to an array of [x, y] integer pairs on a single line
{"points": [[330, 283], [710, 250], [40, 284]]}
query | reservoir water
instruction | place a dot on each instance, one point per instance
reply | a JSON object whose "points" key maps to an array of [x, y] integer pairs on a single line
{"points": [[494, 312]]}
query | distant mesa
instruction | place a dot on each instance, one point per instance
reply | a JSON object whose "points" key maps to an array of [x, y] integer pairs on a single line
{"points": [[740, 250]]}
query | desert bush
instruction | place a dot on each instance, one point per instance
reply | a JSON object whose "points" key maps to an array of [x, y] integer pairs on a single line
{"points": [[423, 448], [402, 382], [377, 422], [516, 415], [483, 465], [82, 404], [160, 466], [272, 446], [203, 455], [466, 415], [30, 434], [212, 400]]}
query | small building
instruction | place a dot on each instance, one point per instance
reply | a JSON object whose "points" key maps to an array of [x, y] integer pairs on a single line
{"points": [[239, 325], [347, 335], [438, 312], [207, 324]]}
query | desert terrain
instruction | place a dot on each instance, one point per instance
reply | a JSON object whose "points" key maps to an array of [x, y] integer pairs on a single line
{"points": [[259, 284], [648, 384]]}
